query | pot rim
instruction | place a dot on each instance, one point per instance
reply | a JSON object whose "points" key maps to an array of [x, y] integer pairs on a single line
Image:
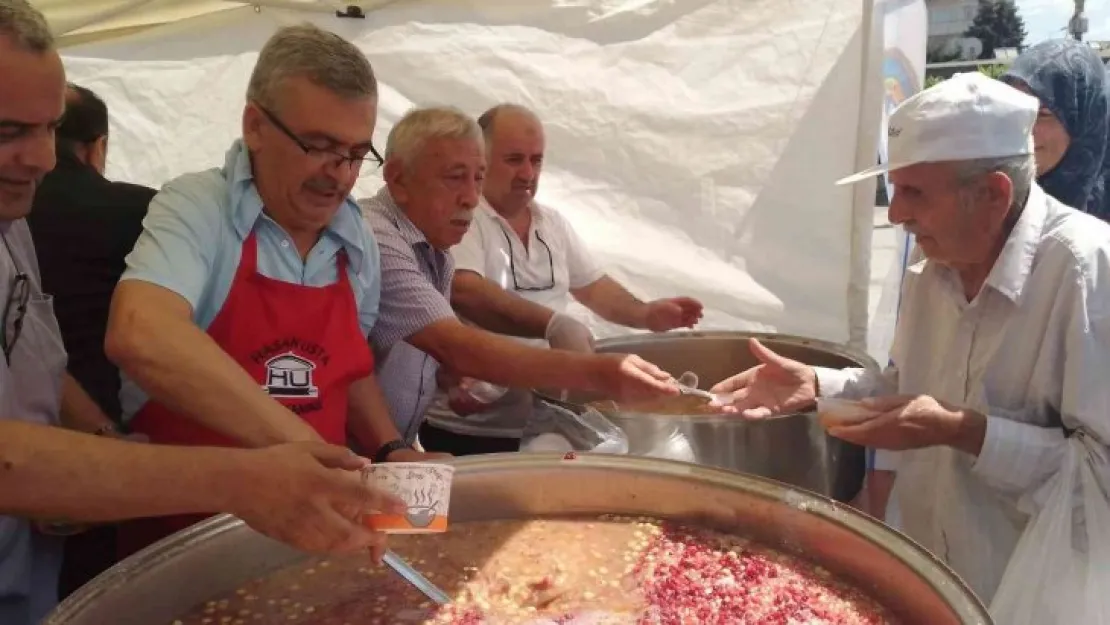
{"points": [[933, 571]]}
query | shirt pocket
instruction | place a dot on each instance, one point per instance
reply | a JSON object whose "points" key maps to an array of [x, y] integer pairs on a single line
{"points": [[38, 362]]}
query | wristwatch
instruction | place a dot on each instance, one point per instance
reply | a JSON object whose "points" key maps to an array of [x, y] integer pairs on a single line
{"points": [[383, 452]]}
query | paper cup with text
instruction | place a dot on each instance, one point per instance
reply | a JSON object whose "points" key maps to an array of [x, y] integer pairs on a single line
{"points": [[424, 487]]}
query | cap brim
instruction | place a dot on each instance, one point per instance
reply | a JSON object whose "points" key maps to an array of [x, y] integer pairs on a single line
{"points": [[870, 172]]}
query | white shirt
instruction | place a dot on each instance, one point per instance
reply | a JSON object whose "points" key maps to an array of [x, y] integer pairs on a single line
{"points": [[1031, 351], [554, 262]]}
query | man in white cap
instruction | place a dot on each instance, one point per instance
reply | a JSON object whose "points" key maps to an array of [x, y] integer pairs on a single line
{"points": [[1003, 340]]}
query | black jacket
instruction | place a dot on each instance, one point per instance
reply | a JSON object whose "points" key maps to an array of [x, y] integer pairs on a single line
{"points": [[84, 226]]}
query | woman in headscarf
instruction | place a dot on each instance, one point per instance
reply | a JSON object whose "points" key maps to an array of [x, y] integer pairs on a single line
{"points": [[1071, 133]]}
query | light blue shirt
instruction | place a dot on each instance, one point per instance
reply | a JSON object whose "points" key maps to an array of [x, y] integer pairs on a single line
{"points": [[193, 237]]}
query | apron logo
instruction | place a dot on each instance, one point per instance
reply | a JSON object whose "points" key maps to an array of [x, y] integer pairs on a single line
{"points": [[289, 375]]}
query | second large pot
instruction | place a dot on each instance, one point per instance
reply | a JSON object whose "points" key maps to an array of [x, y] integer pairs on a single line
{"points": [[792, 448]]}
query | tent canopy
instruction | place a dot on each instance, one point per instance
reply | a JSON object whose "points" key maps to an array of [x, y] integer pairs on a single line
{"points": [[693, 144]]}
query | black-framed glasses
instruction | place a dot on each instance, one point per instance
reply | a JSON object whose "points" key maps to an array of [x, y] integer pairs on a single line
{"points": [[15, 306], [322, 155], [512, 264]]}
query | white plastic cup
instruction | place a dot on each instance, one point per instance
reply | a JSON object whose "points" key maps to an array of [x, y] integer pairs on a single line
{"points": [[425, 488], [834, 412]]}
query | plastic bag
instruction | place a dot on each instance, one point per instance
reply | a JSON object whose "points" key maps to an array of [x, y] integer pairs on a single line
{"points": [[555, 428], [1060, 570]]}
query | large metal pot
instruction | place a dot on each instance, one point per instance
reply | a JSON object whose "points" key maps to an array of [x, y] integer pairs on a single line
{"points": [[791, 448], [213, 558]]}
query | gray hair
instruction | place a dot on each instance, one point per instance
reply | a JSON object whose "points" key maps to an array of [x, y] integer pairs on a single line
{"points": [[418, 126], [1021, 170], [305, 51], [26, 26], [488, 119]]}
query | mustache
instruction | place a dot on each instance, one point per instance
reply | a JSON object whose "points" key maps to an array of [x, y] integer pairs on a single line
{"points": [[462, 215], [322, 185]]}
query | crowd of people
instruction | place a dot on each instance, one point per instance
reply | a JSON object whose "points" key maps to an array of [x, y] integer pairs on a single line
{"points": [[247, 337]]}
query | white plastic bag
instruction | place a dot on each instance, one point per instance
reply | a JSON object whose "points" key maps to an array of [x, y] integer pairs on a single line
{"points": [[555, 428], [1060, 571]]}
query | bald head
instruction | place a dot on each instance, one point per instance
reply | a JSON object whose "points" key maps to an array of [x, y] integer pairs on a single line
{"points": [[514, 149]]}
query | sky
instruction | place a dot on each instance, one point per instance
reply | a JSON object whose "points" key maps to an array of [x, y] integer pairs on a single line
{"points": [[1048, 19]]}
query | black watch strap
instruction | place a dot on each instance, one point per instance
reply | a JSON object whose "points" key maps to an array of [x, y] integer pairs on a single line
{"points": [[388, 448]]}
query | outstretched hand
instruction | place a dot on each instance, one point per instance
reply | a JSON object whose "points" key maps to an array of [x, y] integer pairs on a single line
{"points": [[777, 385]]}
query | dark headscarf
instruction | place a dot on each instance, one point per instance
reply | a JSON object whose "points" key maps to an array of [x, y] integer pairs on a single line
{"points": [[1070, 80]]}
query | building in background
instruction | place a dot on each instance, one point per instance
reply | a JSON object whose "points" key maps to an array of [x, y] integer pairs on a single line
{"points": [[948, 21]]}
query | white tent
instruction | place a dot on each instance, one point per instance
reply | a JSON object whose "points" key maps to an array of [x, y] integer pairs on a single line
{"points": [[692, 143]]}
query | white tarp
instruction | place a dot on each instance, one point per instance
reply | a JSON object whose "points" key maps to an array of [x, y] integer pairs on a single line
{"points": [[692, 143]]}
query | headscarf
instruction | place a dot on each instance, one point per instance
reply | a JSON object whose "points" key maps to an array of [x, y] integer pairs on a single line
{"points": [[1070, 80]]}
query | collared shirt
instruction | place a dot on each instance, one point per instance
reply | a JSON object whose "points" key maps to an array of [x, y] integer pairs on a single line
{"points": [[1031, 351], [544, 271], [193, 237], [416, 289], [30, 391], [84, 225]]}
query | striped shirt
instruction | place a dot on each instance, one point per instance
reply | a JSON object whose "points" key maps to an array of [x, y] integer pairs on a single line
{"points": [[416, 287]]}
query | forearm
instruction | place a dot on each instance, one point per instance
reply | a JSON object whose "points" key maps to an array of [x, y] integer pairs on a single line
{"points": [[78, 411], [369, 419], [474, 353], [612, 302], [51, 473], [180, 366], [492, 308]]}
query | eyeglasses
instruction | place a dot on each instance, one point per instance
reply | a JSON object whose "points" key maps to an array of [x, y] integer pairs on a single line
{"points": [[321, 155], [15, 307], [512, 264]]}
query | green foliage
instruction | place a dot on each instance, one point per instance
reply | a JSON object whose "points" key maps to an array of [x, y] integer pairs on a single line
{"points": [[998, 25], [994, 71]]}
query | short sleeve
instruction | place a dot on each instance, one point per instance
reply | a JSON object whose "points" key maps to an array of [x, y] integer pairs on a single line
{"points": [[470, 253], [181, 232], [409, 301], [582, 268]]}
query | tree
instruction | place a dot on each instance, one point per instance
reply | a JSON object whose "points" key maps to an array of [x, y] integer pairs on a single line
{"points": [[998, 25]]}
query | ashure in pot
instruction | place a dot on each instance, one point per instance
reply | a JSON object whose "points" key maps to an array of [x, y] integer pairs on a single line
{"points": [[792, 448], [215, 558]]}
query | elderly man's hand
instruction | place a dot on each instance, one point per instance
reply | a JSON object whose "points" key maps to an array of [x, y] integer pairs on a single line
{"points": [[310, 496], [777, 385], [566, 332], [669, 314], [913, 422], [629, 377]]}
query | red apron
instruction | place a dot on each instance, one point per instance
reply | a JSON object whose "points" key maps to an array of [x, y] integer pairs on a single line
{"points": [[302, 344]]}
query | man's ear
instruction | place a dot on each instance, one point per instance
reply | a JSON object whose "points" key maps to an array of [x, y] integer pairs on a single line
{"points": [[396, 179], [98, 154], [999, 194], [253, 121]]}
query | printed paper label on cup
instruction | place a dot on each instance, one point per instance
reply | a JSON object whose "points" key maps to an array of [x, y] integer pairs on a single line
{"points": [[425, 489]]}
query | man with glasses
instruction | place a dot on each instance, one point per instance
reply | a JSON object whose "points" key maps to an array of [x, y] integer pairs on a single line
{"points": [[516, 270], [243, 314], [435, 163], [305, 494]]}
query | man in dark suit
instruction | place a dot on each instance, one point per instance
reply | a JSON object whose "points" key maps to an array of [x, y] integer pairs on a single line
{"points": [[83, 226]]}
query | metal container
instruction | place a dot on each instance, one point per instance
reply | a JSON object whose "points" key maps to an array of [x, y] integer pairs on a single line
{"points": [[791, 448], [213, 558]]}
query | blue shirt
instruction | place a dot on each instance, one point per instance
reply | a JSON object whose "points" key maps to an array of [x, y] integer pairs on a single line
{"points": [[193, 237]]}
